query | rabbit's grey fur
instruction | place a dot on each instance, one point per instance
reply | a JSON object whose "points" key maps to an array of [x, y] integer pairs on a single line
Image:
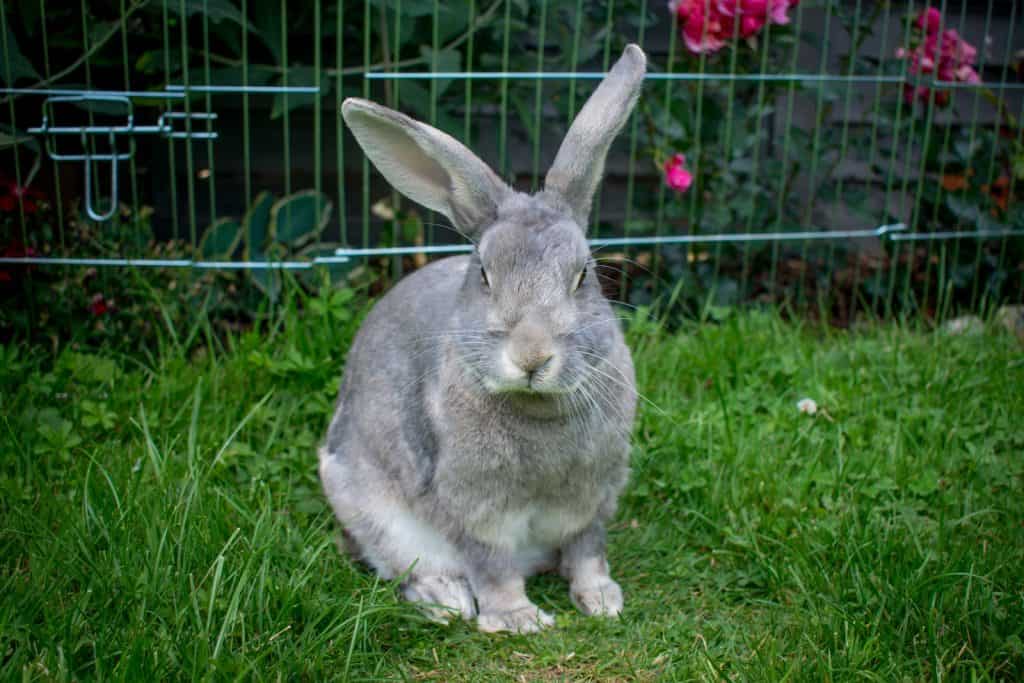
{"points": [[482, 430]]}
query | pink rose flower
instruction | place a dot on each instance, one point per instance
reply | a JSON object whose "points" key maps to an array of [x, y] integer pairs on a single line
{"points": [[676, 175], [947, 56], [929, 20], [967, 74], [703, 30], [708, 25], [779, 11]]}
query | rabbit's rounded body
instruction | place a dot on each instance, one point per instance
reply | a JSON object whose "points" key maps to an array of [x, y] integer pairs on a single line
{"points": [[482, 429], [469, 464]]}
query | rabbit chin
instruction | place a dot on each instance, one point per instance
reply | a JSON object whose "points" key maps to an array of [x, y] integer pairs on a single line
{"points": [[545, 398]]}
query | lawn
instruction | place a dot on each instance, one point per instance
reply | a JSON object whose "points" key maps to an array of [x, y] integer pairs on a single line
{"points": [[161, 516]]}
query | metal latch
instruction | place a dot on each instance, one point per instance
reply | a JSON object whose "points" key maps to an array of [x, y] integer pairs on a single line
{"points": [[165, 127]]}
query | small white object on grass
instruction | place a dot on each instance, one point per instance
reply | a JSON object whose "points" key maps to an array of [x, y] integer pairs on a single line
{"points": [[807, 405]]}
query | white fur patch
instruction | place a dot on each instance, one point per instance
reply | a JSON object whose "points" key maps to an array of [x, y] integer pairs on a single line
{"points": [[591, 573], [510, 372], [552, 526], [412, 540], [404, 539], [531, 534]]}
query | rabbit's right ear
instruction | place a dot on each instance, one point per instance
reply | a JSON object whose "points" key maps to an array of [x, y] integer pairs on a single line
{"points": [[579, 164], [426, 165]]}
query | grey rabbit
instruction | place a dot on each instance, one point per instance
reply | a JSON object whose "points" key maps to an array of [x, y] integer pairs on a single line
{"points": [[482, 428]]}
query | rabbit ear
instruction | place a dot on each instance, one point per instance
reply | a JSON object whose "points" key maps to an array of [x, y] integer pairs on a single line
{"points": [[579, 165], [426, 165]]}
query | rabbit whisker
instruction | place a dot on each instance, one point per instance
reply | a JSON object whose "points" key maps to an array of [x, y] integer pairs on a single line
{"points": [[621, 383]]}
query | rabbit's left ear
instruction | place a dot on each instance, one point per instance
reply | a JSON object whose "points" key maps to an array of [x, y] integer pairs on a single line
{"points": [[427, 165], [579, 164]]}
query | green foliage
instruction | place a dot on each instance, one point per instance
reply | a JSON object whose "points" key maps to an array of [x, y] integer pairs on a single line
{"points": [[256, 224], [14, 66], [783, 156], [162, 517], [409, 38], [133, 306], [275, 231], [220, 241], [214, 11], [770, 155], [300, 218]]}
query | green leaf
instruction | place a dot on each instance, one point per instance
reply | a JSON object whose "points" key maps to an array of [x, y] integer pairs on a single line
{"points": [[214, 10], [88, 368], [966, 211], [412, 227], [30, 17], [522, 107], [1015, 216], [97, 415], [726, 294], [442, 60], [300, 76], [220, 240], [410, 8], [299, 218], [417, 98], [101, 31], [268, 281], [924, 482], [310, 506], [257, 75], [966, 149], [256, 225], [453, 20], [14, 66], [987, 222], [148, 62], [13, 138], [266, 19], [336, 272], [1018, 167]]}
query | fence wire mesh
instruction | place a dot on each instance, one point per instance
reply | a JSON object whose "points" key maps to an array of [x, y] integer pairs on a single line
{"points": [[847, 157]]}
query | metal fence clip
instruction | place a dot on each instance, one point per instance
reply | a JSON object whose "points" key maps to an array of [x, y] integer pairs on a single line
{"points": [[164, 127]]}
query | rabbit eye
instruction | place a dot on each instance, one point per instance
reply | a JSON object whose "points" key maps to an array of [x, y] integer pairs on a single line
{"points": [[483, 277], [579, 279]]}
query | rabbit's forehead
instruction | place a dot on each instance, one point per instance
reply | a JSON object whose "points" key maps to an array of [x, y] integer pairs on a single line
{"points": [[557, 247]]}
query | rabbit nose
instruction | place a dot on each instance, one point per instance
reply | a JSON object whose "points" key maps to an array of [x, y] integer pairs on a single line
{"points": [[530, 347], [534, 363]]}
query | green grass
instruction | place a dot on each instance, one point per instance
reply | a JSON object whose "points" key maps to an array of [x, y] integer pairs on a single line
{"points": [[161, 517]]}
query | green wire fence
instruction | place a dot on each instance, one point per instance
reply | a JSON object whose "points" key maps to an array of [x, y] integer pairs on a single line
{"points": [[844, 157]]}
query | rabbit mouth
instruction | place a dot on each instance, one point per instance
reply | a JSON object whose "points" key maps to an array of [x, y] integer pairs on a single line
{"points": [[540, 377], [536, 386], [526, 387], [551, 378]]}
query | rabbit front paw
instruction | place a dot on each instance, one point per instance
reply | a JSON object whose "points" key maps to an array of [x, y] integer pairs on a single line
{"points": [[601, 599], [440, 597], [529, 619]]}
